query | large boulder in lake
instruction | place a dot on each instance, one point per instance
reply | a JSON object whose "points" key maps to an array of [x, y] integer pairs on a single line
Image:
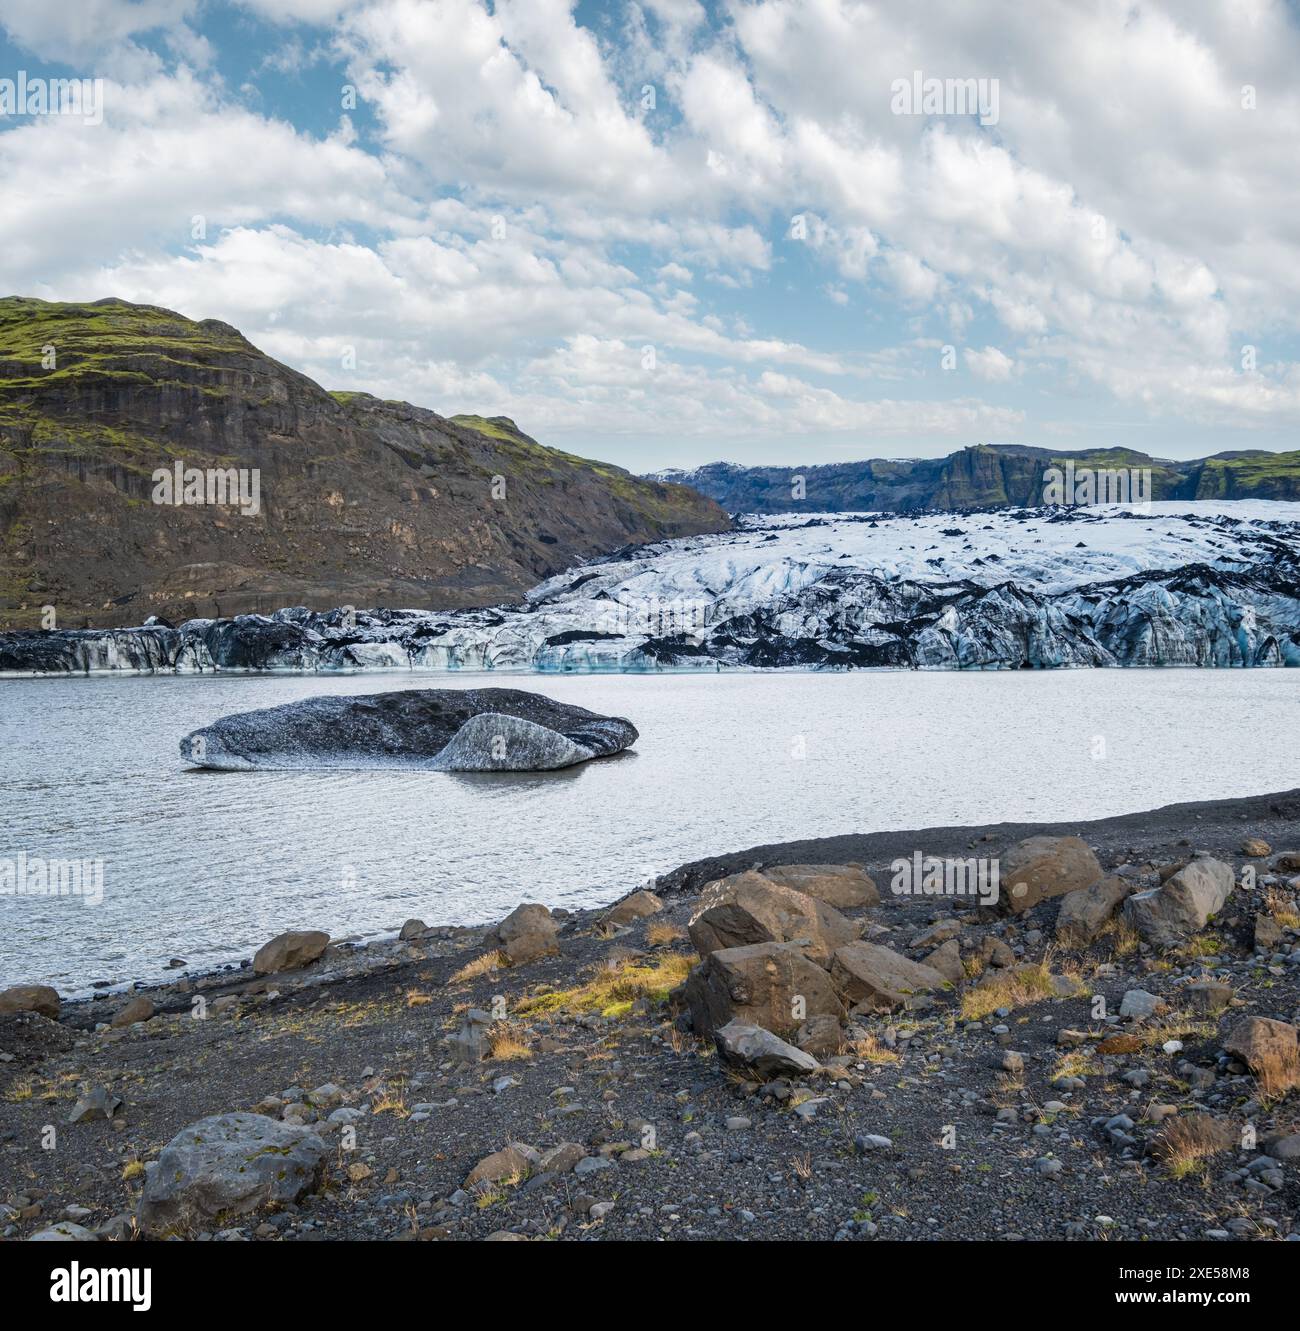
{"points": [[444, 730], [228, 1166]]}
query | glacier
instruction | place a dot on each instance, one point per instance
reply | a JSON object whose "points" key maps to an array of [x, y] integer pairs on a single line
{"points": [[1178, 583]]}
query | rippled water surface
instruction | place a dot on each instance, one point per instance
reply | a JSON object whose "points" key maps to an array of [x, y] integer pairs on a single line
{"points": [[208, 865]]}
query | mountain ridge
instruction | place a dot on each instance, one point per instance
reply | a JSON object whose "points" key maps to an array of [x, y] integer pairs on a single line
{"points": [[982, 476]]}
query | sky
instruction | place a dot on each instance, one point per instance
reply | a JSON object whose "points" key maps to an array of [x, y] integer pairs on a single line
{"points": [[666, 233]]}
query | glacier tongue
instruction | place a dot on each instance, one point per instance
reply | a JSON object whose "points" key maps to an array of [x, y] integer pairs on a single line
{"points": [[1189, 583]]}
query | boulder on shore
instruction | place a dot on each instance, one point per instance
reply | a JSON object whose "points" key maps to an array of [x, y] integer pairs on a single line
{"points": [[1182, 905], [1045, 866], [633, 908], [748, 908], [844, 886], [527, 933], [1083, 915], [290, 951], [1268, 1048], [879, 979], [38, 998], [772, 985], [755, 1050], [226, 1166], [446, 730]]}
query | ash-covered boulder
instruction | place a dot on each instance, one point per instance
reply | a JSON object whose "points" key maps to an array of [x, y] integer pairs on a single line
{"points": [[226, 1166], [448, 730]]}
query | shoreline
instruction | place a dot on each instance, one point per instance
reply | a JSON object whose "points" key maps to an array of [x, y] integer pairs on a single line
{"points": [[626, 1124], [1218, 816]]}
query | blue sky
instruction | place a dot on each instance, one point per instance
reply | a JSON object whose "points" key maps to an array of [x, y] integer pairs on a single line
{"points": [[767, 264]]}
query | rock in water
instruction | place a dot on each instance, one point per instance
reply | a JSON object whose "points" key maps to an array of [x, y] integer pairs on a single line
{"points": [[445, 730], [227, 1166]]}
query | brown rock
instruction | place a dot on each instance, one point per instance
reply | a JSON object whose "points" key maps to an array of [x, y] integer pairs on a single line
{"points": [[290, 951], [820, 1036], [140, 1008], [844, 886], [1042, 867], [1255, 849], [772, 985], [1208, 996], [513, 1161], [880, 979], [1288, 862], [748, 908], [528, 933], [1120, 1044], [1268, 932], [633, 908], [1268, 1049], [947, 961], [31, 998], [1083, 915]]}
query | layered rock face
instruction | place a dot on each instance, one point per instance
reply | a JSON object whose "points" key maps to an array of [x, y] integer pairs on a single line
{"points": [[448, 730], [359, 501], [1187, 585]]}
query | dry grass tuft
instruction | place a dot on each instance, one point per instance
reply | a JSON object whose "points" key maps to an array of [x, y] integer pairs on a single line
{"points": [[1015, 987], [661, 934], [870, 1050], [507, 1045], [612, 991], [1186, 1143], [480, 966]]}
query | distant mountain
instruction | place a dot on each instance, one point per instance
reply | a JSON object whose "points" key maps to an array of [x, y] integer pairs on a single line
{"points": [[359, 501], [983, 476]]}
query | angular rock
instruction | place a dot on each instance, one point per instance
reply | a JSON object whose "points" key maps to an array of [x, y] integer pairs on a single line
{"points": [[97, 1103], [513, 1161], [290, 951], [470, 1043], [880, 979], [1268, 932], [820, 1036], [412, 929], [31, 998], [772, 985], [748, 908], [1083, 915], [1268, 1048], [1138, 1005], [527, 934], [947, 961], [449, 730], [939, 932], [759, 1051], [64, 1231], [843, 886], [633, 908], [1045, 866], [139, 1008], [1166, 915], [1208, 996], [227, 1166]]}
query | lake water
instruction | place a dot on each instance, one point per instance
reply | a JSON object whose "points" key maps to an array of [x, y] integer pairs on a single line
{"points": [[208, 865]]}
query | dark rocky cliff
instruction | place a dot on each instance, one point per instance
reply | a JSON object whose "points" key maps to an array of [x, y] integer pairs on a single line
{"points": [[362, 502]]}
